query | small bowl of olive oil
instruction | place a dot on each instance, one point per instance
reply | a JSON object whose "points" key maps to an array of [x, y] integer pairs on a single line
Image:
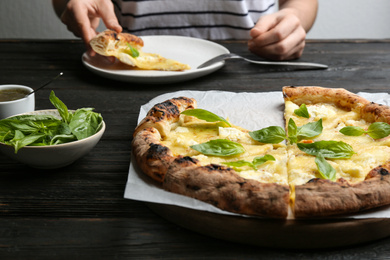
{"points": [[16, 99]]}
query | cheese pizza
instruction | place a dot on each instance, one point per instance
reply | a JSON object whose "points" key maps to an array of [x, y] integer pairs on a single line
{"points": [[331, 158], [127, 48]]}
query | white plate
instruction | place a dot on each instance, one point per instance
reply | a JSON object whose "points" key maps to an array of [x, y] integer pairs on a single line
{"points": [[191, 51]]}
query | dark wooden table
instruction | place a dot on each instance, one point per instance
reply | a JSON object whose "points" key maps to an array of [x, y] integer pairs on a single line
{"points": [[79, 211]]}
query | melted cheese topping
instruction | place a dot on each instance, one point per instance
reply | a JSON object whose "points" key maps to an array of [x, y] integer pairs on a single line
{"points": [[189, 131], [292, 166], [150, 61], [369, 153]]}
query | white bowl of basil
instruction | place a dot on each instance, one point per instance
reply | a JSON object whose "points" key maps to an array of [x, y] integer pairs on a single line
{"points": [[50, 139]]}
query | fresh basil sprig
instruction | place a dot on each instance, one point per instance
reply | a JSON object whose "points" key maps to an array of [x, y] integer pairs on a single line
{"points": [[205, 115], [328, 149], [307, 131], [257, 161], [376, 130], [133, 52], [219, 147], [324, 168], [302, 111], [276, 134]]}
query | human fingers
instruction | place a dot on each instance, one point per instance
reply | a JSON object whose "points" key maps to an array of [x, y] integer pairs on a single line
{"points": [[264, 24], [106, 11], [87, 21], [283, 26], [286, 49]]}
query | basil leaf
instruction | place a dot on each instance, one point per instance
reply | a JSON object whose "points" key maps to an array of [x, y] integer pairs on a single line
{"points": [[61, 139], [61, 107], [352, 131], [309, 130], [205, 115], [240, 163], [378, 130], [329, 149], [269, 135], [255, 162], [219, 147], [133, 52], [292, 131], [11, 124], [85, 123], [262, 159], [26, 140], [324, 168], [302, 111]]}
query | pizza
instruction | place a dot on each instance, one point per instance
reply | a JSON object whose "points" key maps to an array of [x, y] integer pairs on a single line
{"points": [[127, 48], [331, 158]]}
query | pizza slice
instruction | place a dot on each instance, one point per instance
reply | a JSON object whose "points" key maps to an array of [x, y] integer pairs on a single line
{"points": [[128, 49], [334, 173], [196, 153]]}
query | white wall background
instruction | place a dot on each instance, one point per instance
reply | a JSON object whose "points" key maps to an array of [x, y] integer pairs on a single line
{"points": [[337, 19]]}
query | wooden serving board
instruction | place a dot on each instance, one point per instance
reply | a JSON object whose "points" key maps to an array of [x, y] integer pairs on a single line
{"points": [[297, 234]]}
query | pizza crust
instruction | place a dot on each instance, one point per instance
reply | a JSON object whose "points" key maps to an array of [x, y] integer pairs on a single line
{"points": [[326, 198], [376, 113], [224, 188], [162, 115], [311, 95], [152, 157]]}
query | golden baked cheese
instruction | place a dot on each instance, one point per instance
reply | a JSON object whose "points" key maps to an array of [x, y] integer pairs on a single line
{"points": [[369, 153], [190, 131]]}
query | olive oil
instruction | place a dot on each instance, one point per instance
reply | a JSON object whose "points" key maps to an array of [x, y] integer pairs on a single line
{"points": [[12, 94]]}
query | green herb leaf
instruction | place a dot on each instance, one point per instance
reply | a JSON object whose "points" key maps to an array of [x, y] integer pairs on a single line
{"points": [[378, 130], [292, 130], [329, 149], [262, 159], [309, 130], [219, 147], [205, 115], [269, 135], [302, 111], [61, 107], [133, 52], [352, 131], [240, 163], [85, 123], [257, 161], [61, 139], [26, 140], [324, 168]]}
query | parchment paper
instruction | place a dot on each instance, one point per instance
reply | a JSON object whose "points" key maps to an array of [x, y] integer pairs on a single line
{"points": [[252, 111]]}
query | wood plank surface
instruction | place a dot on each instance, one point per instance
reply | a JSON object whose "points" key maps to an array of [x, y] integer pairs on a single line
{"points": [[79, 211]]}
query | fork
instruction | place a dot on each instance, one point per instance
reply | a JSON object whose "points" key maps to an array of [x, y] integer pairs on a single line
{"points": [[225, 56]]}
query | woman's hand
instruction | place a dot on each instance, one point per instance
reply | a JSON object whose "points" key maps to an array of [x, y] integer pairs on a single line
{"points": [[278, 36], [82, 17], [281, 35]]}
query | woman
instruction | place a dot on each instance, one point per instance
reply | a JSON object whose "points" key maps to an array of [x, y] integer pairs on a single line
{"points": [[272, 34]]}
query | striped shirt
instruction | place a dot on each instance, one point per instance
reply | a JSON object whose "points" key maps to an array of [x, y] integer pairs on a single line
{"points": [[207, 19]]}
